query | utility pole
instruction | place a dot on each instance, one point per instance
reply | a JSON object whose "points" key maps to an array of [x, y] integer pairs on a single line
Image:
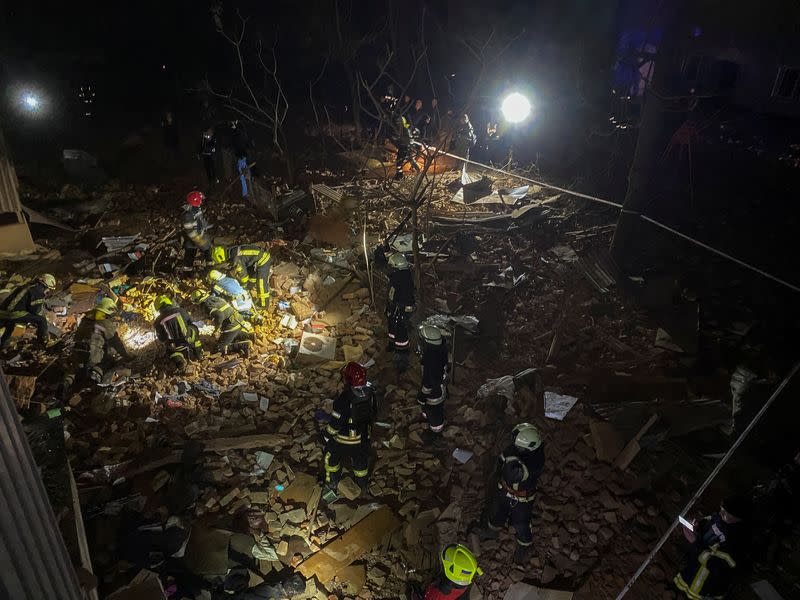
{"points": [[657, 125]]}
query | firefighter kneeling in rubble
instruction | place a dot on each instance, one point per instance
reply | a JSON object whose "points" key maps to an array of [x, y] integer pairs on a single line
{"points": [[95, 336], [250, 265], [347, 433], [24, 305], [401, 303], [459, 568], [519, 468], [174, 328], [235, 332], [435, 364]]}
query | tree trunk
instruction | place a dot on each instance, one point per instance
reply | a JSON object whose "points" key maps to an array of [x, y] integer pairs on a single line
{"points": [[355, 93], [657, 125]]}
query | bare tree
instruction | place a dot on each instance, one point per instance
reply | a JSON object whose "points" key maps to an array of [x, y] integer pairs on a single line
{"points": [[258, 97]]}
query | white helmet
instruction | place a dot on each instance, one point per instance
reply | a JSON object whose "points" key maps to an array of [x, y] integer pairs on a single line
{"points": [[526, 437], [398, 260], [431, 335]]}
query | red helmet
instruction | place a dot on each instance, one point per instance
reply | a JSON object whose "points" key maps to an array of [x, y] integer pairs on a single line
{"points": [[354, 374], [195, 198]]}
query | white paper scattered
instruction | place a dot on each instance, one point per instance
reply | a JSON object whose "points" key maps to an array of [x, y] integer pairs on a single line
{"points": [[462, 456], [557, 406], [249, 397], [263, 403]]}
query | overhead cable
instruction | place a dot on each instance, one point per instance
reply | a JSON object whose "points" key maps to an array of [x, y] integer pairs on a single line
{"points": [[591, 198]]}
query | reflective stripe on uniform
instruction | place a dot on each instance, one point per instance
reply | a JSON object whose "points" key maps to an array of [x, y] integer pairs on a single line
{"points": [[717, 553], [347, 441], [360, 473]]}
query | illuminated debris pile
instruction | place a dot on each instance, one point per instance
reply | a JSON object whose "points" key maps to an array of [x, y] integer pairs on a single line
{"points": [[256, 416]]}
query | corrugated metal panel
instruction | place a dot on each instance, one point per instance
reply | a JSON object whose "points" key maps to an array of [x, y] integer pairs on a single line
{"points": [[9, 194], [34, 563]]}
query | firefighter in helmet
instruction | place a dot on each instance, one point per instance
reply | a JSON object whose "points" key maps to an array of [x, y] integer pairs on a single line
{"points": [[459, 568], [25, 305], [518, 469], [174, 327], [348, 431], [401, 303], [250, 265], [95, 337], [195, 227], [235, 332]]}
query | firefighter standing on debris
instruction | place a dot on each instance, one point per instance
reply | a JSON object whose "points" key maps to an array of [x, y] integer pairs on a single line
{"points": [[235, 332], [95, 337], [25, 305], [175, 329], [348, 431], [250, 265], [402, 302], [519, 468], [195, 229], [718, 545], [402, 139], [435, 365], [459, 567]]}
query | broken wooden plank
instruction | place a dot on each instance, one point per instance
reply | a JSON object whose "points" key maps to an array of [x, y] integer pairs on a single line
{"points": [[632, 449], [607, 441], [351, 546], [245, 442]]}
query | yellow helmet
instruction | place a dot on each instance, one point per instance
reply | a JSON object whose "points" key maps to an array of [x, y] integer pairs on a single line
{"points": [[215, 275], [161, 302], [48, 280], [460, 565], [199, 295], [218, 254], [106, 306]]}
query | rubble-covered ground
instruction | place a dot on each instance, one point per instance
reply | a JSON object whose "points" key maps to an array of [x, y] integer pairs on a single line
{"points": [[227, 456]]}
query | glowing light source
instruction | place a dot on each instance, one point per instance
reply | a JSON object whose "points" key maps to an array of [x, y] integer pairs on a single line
{"points": [[31, 102], [516, 108]]}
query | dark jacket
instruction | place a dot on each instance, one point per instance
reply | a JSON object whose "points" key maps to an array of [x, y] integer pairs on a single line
{"points": [[246, 259], [174, 326], [208, 145], [194, 227], [94, 338], [401, 288], [712, 560], [24, 300], [533, 461], [226, 318], [434, 365], [342, 427]]}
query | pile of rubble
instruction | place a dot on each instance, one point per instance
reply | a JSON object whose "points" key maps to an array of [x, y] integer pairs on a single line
{"points": [[226, 458]]}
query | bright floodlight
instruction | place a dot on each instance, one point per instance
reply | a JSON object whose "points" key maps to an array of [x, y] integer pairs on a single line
{"points": [[30, 101], [516, 108]]}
